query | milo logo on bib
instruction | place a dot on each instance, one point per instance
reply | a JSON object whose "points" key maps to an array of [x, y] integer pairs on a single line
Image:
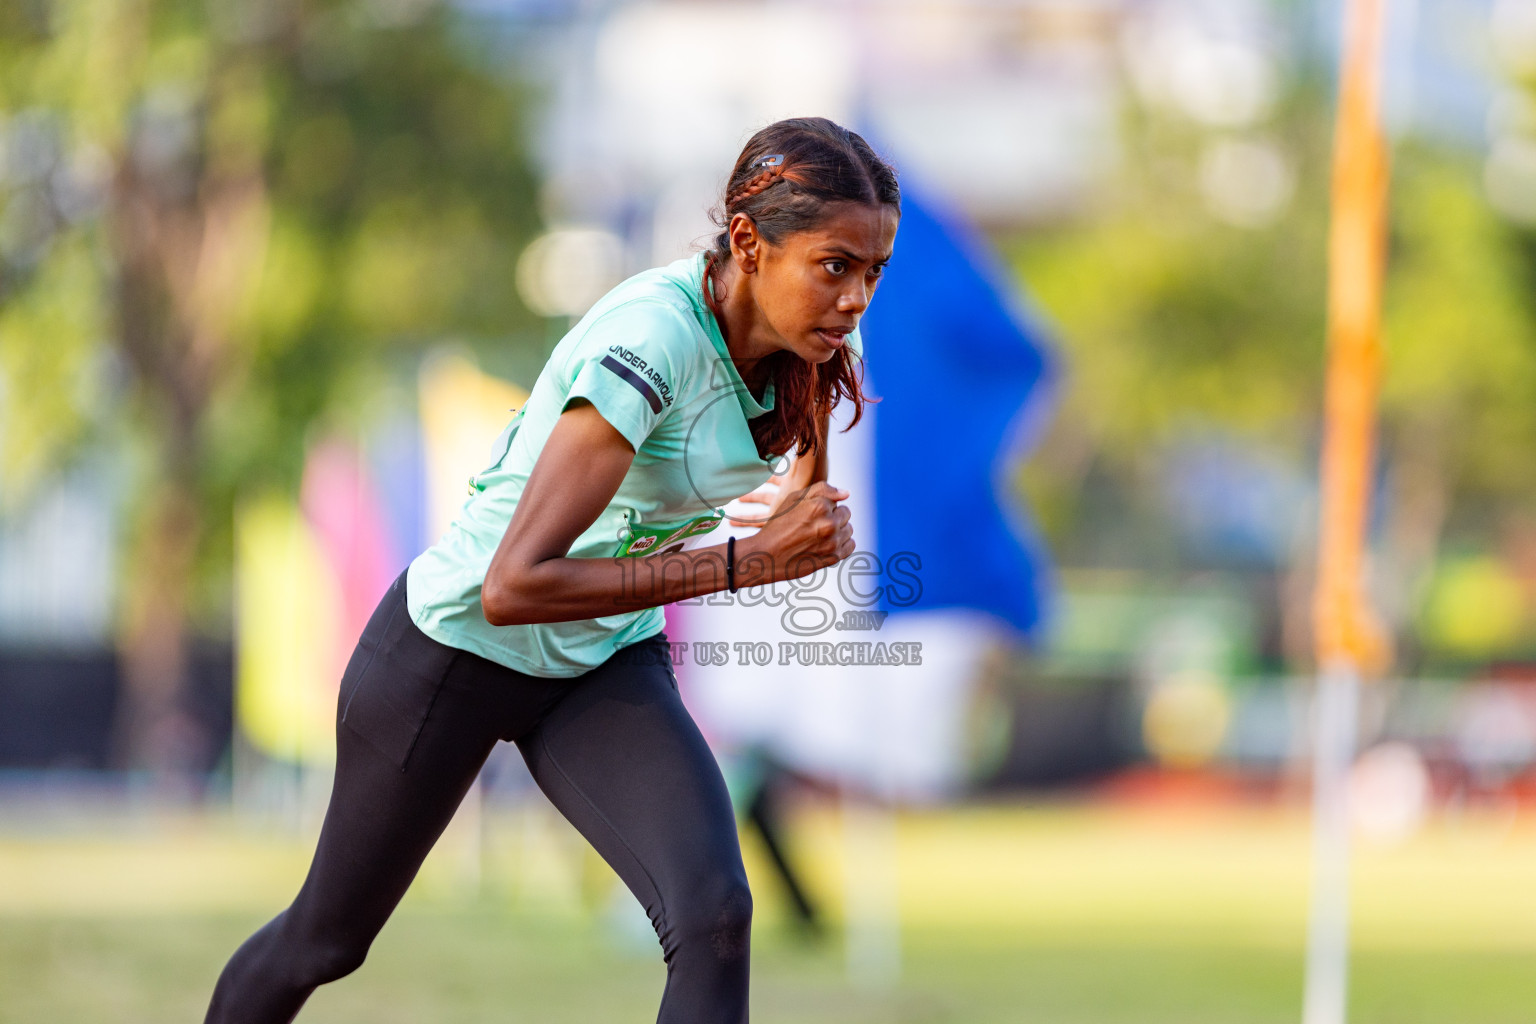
{"points": [[660, 538]]}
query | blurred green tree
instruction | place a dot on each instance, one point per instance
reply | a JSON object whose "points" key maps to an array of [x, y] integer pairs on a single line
{"points": [[1169, 319], [1459, 395], [248, 208]]}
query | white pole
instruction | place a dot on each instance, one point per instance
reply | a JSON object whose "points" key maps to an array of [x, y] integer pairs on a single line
{"points": [[872, 935], [1335, 712]]}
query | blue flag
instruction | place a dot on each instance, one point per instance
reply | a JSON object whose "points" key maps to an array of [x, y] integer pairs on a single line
{"points": [[964, 380]]}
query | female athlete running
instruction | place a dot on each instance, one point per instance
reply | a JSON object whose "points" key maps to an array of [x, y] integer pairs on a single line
{"points": [[533, 620]]}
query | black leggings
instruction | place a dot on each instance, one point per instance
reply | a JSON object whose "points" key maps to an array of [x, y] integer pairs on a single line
{"points": [[614, 749]]}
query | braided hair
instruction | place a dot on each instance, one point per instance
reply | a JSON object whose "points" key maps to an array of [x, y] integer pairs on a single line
{"points": [[786, 176]]}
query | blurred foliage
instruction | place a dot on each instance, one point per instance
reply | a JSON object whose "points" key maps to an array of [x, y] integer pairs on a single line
{"points": [[233, 215], [223, 220], [1172, 322], [1460, 328], [1166, 315], [1476, 608], [1169, 321]]}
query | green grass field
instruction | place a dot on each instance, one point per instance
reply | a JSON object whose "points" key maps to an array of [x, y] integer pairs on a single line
{"points": [[1077, 915]]}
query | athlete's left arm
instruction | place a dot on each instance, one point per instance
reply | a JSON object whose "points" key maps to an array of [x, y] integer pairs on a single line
{"points": [[812, 468]]}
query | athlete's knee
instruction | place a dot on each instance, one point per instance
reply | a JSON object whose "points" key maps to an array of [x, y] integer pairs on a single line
{"points": [[336, 958], [715, 918], [321, 955]]}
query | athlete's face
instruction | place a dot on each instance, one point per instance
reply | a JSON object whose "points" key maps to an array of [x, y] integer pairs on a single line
{"points": [[812, 289]]}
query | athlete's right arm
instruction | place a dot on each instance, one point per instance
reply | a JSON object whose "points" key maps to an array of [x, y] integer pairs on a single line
{"points": [[577, 473]]}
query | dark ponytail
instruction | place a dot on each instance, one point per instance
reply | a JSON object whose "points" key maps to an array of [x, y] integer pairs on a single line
{"points": [[784, 179]]}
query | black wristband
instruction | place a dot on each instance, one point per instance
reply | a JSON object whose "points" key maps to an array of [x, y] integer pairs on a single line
{"points": [[730, 564]]}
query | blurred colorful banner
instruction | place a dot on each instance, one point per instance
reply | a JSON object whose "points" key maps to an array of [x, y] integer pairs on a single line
{"points": [[310, 572], [288, 618], [462, 412]]}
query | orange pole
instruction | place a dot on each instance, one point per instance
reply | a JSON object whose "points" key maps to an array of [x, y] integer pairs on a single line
{"points": [[1344, 628], [1347, 639]]}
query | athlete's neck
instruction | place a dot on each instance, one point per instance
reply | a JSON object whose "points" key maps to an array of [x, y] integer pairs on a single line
{"points": [[748, 337]]}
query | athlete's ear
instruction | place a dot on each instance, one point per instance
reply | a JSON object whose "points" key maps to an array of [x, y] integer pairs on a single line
{"points": [[745, 242]]}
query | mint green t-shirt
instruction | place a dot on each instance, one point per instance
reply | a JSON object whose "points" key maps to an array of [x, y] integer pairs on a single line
{"points": [[650, 357]]}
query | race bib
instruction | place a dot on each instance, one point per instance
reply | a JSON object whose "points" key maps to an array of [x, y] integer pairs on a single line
{"points": [[664, 537]]}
